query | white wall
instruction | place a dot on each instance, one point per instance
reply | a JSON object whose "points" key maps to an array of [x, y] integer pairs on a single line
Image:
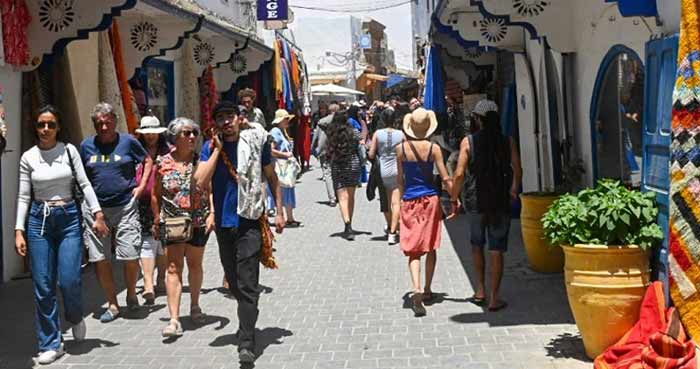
{"points": [[11, 82], [600, 26]]}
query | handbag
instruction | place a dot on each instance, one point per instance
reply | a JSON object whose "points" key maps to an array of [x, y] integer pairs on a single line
{"points": [[181, 229], [287, 171], [76, 190]]}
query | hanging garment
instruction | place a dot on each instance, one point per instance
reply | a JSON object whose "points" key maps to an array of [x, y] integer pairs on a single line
{"points": [[684, 239], [128, 100], [277, 70], [15, 23], [108, 83], [657, 341], [295, 72], [189, 94], [303, 138]]}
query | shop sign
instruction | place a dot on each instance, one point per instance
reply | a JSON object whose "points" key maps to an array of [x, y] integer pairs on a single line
{"points": [[273, 10]]}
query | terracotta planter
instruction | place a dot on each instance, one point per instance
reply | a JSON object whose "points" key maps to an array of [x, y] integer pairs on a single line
{"points": [[540, 255], [605, 286]]}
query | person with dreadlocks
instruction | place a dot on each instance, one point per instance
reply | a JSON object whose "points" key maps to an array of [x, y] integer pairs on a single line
{"points": [[492, 160]]}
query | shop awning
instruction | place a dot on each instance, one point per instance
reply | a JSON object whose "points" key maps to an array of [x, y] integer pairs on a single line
{"points": [[331, 89], [394, 79], [376, 77]]}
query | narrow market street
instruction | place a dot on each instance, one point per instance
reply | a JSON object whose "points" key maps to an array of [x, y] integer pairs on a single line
{"points": [[332, 304]]}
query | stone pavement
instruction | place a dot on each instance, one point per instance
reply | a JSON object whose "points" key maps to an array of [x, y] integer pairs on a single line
{"points": [[332, 304]]}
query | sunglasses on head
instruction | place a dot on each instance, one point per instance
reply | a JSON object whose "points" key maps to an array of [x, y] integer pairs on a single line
{"points": [[46, 124], [220, 121]]}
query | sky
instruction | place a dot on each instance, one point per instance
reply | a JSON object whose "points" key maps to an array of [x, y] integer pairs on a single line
{"points": [[397, 21]]}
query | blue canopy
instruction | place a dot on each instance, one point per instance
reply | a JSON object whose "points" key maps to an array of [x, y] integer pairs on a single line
{"points": [[636, 8], [434, 96], [394, 79]]}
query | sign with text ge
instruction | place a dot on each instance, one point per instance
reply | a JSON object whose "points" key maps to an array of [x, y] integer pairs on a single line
{"points": [[273, 10]]}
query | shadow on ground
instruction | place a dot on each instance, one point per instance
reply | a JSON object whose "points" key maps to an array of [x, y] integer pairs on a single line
{"points": [[519, 283], [263, 339]]}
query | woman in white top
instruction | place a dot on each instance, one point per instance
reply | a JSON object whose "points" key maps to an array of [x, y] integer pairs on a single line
{"points": [[53, 235], [384, 144]]}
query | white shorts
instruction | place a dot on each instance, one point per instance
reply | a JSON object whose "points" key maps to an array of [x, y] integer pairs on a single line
{"points": [[150, 248]]}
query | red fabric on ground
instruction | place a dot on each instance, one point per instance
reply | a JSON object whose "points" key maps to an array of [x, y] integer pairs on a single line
{"points": [[657, 341]]}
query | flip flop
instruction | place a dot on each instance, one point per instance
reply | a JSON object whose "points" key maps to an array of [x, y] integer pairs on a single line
{"points": [[294, 224], [479, 301], [500, 306]]}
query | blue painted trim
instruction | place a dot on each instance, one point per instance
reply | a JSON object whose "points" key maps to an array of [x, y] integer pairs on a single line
{"points": [[83, 34], [235, 51], [450, 32], [636, 8], [599, 81], [178, 44]]}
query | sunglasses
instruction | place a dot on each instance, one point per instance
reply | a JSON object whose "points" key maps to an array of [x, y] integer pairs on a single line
{"points": [[46, 124], [190, 134]]}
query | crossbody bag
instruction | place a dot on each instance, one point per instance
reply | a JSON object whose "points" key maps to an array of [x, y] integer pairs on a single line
{"points": [[180, 229]]}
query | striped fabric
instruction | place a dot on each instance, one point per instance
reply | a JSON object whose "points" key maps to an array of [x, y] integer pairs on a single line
{"points": [[657, 341], [684, 234]]}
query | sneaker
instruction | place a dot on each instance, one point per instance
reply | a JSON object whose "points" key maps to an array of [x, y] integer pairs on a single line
{"points": [[173, 329], [393, 238], [246, 356], [79, 331], [48, 357], [132, 304]]}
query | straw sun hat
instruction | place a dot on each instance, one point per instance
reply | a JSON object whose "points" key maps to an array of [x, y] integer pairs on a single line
{"points": [[420, 124], [150, 124], [281, 115]]}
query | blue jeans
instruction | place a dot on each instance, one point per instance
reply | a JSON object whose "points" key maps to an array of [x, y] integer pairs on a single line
{"points": [[55, 248]]}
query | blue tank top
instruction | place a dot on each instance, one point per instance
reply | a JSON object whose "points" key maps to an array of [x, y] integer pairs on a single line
{"points": [[418, 176]]}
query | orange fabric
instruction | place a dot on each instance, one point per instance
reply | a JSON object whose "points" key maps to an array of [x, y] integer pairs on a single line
{"points": [[421, 225], [657, 341], [295, 72], [132, 121]]}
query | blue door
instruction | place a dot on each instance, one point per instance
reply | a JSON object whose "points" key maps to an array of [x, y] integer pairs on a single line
{"points": [[661, 62]]}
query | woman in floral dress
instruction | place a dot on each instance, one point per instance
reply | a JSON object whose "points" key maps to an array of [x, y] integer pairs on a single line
{"points": [[173, 197]]}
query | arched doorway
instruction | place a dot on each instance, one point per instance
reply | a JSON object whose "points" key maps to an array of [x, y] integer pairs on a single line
{"points": [[616, 117]]}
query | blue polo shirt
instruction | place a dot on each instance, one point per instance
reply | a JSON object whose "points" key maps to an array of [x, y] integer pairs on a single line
{"points": [[224, 187], [111, 168]]}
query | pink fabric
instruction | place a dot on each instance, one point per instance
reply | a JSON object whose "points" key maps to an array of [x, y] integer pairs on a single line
{"points": [[421, 225]]}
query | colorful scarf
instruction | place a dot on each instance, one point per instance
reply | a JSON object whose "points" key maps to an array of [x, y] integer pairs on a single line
{"points": [[209, 97], [684, 234], [657, 341]]}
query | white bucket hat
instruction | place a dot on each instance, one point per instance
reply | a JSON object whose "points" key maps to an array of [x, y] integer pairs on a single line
{"points": [[150, 124]]}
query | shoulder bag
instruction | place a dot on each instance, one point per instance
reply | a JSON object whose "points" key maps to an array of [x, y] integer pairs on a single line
{"points": [[287, 171], [77, 191], [181, 229]]}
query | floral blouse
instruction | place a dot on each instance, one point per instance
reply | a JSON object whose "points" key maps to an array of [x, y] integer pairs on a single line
{"points": [[175, 193]]}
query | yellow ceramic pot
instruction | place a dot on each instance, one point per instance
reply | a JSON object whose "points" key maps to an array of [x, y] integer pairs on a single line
{"points": [[605, 286], [542, 257]]}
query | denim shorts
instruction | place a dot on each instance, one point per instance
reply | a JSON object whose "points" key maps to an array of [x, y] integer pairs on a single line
{"points": [[497, 233]]}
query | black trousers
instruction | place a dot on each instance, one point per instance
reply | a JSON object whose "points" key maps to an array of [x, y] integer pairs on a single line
{"points": [[239, 250]]}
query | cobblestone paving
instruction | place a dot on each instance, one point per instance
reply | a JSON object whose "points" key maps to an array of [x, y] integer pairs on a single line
{"points": [[332, 304]]}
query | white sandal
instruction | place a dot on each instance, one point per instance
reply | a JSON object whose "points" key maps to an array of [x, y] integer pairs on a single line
{"points": [[173, 329]]}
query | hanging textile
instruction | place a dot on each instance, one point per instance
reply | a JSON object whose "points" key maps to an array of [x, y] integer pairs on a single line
{"points": [[684, 235], [287, 91], [209, 97], [189, 95], [303, 138], [108, 83], [277, 70], [435, 82], [15, 22], [295, 73], [128, 100]]}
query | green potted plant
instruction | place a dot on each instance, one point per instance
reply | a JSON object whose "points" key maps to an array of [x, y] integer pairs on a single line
{"points": [[541, 256], [605, 233]]}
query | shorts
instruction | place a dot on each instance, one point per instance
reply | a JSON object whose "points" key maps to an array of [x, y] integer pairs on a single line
{"points": [[497, 233], [124, 226], [199, 238], [150, 248]]}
